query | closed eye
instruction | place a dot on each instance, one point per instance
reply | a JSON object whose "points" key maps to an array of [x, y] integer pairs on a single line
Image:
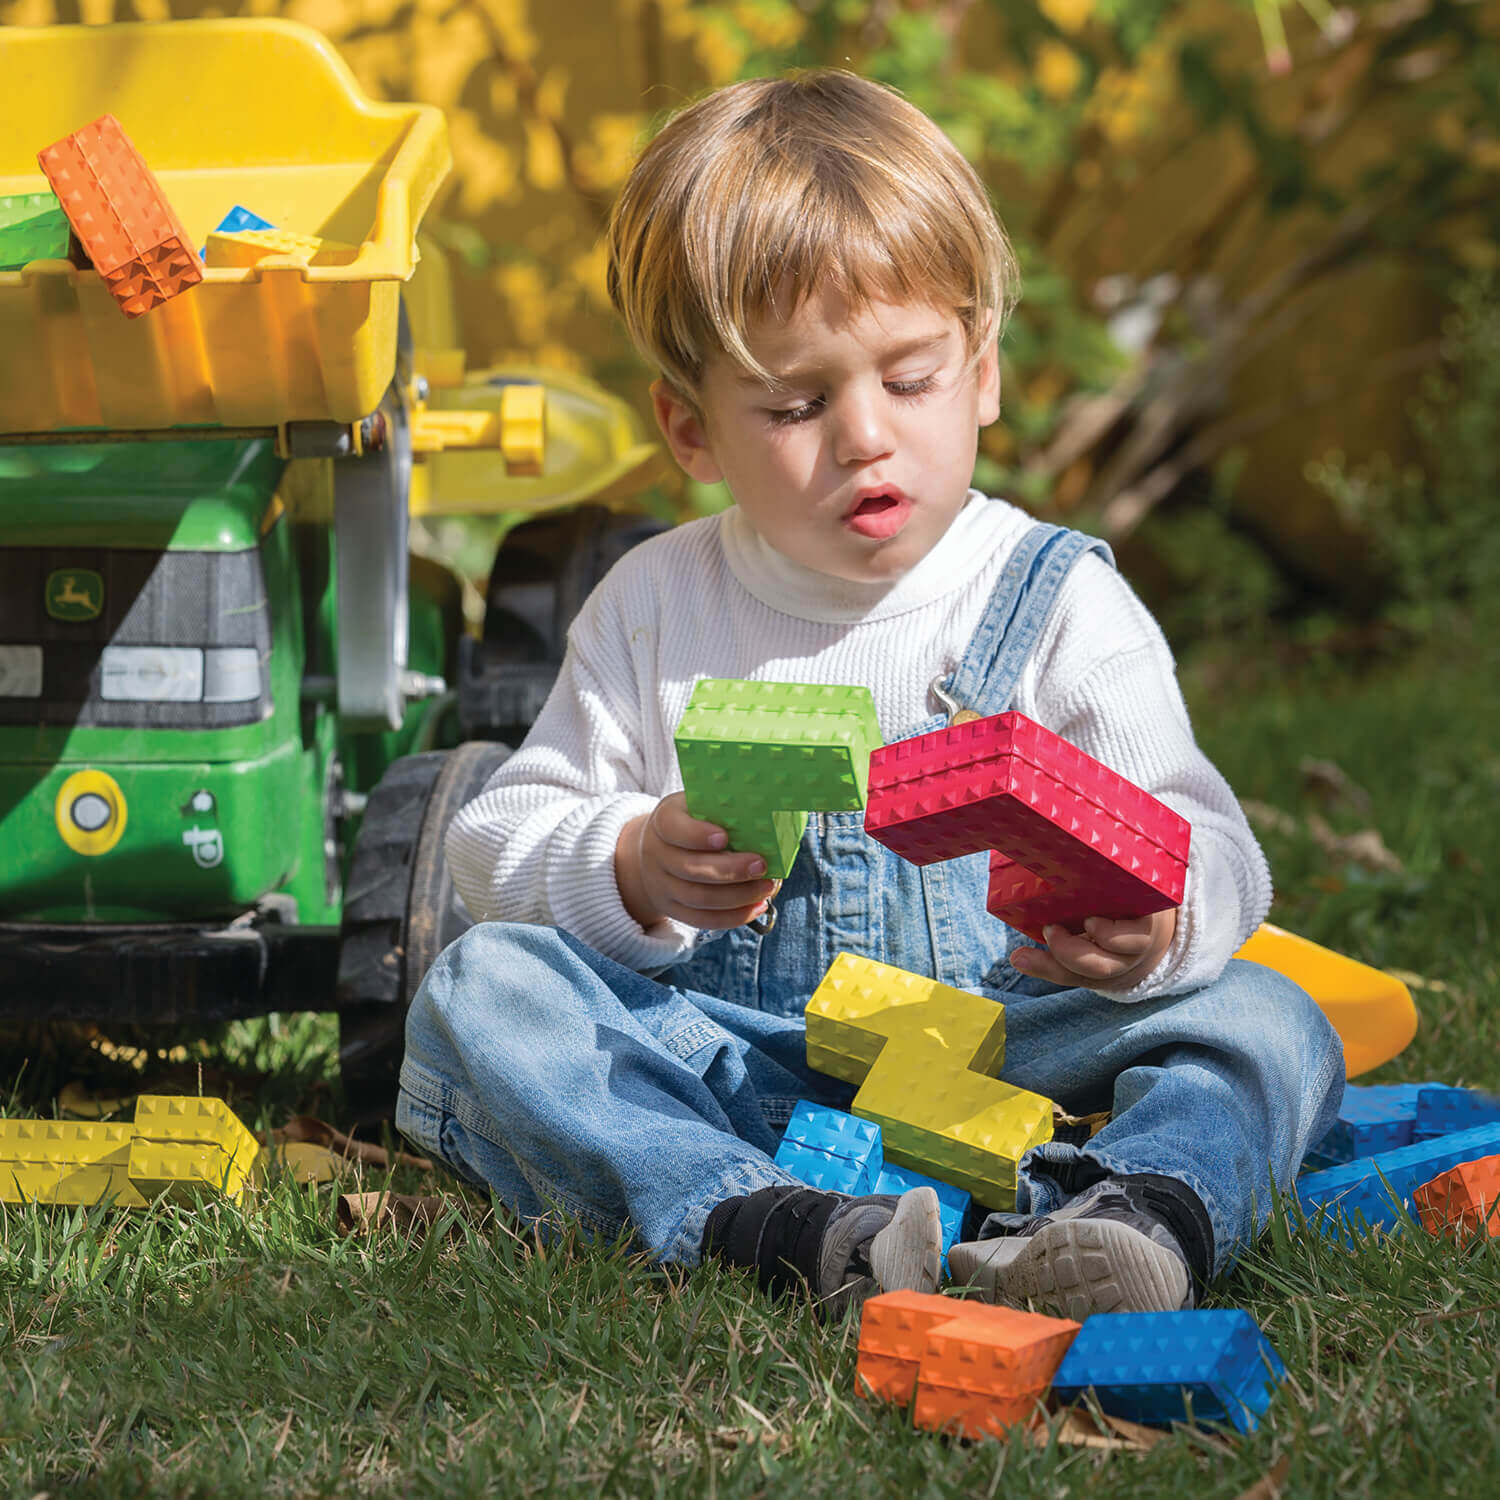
{"points": [[788, 416]]}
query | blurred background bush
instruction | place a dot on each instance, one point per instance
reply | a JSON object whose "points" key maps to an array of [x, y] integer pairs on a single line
{"points": [[1259, 347]]}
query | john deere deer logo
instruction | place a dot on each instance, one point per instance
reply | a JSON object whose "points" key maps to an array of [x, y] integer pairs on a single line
{"points": [[75, 594]]}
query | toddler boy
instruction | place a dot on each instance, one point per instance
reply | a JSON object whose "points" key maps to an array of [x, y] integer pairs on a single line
{"points": [[819, 278]]}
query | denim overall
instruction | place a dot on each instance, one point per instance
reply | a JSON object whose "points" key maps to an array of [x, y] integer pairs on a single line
{"points": [[558, 1077]]}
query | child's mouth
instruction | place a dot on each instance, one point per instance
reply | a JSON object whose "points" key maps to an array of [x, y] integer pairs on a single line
{"points": [[879, 516]]}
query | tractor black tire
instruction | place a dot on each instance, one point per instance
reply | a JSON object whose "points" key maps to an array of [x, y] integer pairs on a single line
{"points": [[400, 912], [544, 570]]}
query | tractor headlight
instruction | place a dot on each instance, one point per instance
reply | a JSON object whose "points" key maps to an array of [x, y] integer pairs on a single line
{"points": [[20, 671], [179, 674], [90, 812]]}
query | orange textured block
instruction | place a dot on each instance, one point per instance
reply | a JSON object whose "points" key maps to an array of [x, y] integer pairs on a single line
{"points": [[986, 1371], [893, 1331], [1463, 1200], [974, 1369], [121, 216]]}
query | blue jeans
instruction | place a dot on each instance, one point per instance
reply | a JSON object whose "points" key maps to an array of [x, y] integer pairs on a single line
{"points": [[557, 1077]]}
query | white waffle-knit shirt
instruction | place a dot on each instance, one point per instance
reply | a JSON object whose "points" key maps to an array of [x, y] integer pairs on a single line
{"points": [[712, 599]]}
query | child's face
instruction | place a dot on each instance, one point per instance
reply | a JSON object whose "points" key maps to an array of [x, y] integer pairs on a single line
{"points": [[856, 463]]}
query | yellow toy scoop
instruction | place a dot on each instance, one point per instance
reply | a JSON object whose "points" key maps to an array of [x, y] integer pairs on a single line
{"points": [[1371, 1010]]}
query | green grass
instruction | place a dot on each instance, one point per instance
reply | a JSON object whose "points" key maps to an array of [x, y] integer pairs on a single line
{"points": [[174, 1351]]}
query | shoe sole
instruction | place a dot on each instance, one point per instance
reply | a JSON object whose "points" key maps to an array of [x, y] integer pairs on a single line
{"points": [[1076, 1268], [907, 1255]]}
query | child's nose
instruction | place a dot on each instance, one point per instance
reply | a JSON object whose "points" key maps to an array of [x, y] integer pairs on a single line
{"points": [[861, 428]]}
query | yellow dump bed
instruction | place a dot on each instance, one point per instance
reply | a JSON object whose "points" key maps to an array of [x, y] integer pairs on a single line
{"points": [[262, 114]]}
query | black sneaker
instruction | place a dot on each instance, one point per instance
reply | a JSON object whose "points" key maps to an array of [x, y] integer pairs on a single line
{"points": [[1126, 1244], [841, 1250]]}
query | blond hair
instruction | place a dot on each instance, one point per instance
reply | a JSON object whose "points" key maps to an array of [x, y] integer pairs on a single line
{"points": [[769, 188]]}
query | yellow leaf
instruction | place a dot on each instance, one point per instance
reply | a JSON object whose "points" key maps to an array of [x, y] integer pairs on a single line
{"points": [[551, 93], [1057, 70], [544, 160], [444, 53], [1068, 15], [487, 170]]}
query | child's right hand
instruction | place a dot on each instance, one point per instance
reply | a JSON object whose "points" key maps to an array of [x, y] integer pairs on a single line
{"points": [[670, 864]]}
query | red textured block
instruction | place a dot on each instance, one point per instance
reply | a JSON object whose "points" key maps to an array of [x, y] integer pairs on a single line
{"points": [[1464, 1200], [1069, 838], [121, 216]]}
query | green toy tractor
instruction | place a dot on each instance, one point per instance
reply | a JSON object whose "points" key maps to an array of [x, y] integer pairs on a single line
{"points": [[229, 694]]}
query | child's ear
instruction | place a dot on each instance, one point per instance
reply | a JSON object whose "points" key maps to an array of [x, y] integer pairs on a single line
{"points": [[989, 385], [684, 431]]}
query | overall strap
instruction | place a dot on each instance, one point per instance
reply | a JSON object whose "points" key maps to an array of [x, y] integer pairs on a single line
{"points": [[1019, 605]]}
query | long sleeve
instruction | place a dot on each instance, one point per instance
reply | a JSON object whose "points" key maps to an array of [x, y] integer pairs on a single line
{"points": [[1103, 677], [538, 844]]}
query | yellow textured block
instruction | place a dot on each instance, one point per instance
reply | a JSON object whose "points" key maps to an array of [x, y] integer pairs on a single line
{"points": [[940, 1108], [184, 1120], [183, 1169], [248, 247], [65, 1161]]}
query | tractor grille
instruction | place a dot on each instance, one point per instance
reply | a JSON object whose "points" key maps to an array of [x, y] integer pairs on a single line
{"points": [[186, 602]]}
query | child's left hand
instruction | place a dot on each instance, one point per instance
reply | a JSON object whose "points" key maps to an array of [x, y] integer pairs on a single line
{"points": [[1111, 953]]}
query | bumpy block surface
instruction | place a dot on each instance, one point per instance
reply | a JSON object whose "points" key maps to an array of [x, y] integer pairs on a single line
{"points": [[1148, 1367], [1374, 1118], [953, 1203], [893, 1329], [831, 1150], [1442, 1110], [757, 757], [184, 1170], [66, 1161], [986, 1371], [1463, 1200], [121, 216], [32, 227], [933, 1090], [239, 218], [248, 247], [1069, 838], [973, 1369], [173, 1120], [1375, 1189]]}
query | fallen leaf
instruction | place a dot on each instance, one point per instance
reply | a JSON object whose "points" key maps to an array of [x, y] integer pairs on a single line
{"points": [[363, 1213], [314, 1132], [1331, 784], [1080, 1428], [305, 1163], [1268, 1487], [1365, 848]]}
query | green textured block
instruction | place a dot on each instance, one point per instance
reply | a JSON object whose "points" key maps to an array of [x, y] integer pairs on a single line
{"points": [[32, 227], [758, 757]]}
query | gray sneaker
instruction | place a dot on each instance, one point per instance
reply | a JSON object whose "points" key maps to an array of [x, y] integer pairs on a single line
{"points": [[840, 1249], [1107, 1250]]}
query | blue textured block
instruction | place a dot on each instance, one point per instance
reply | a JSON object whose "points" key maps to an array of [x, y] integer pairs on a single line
{"points": [[1373, 1118], [1442, 1110], [1152, 1367], [1377, 1188], [239, 219], [832, 1150], [953, 1203]]}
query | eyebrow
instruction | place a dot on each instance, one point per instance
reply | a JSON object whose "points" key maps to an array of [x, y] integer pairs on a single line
{"points": [[800, 374]]}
